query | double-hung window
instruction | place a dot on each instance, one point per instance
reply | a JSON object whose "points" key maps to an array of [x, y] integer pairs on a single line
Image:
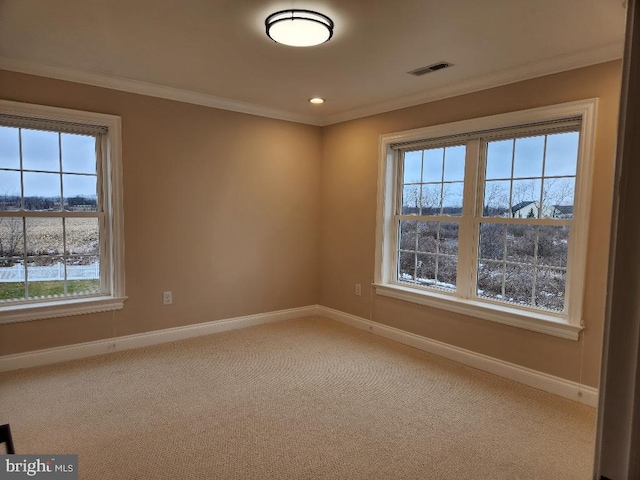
{"points": [[61, 246], [488, 217]]}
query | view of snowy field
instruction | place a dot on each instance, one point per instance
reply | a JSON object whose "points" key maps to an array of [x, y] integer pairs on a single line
{"points": [[43, 272]]}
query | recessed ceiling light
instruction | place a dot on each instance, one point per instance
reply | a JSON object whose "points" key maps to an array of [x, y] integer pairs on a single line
{"points": [[299, 28], [316, 100]]}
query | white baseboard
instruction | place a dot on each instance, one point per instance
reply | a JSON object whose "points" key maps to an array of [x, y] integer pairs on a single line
{"points": [[128, 342], [542, 381]]}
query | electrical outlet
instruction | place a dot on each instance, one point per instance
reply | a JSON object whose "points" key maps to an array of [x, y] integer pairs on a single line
{"points": [[167, 298], [358, 290]]}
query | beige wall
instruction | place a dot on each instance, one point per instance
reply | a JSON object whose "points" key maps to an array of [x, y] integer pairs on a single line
{"points": [[349, 174], [221, 208], [238, 214]]}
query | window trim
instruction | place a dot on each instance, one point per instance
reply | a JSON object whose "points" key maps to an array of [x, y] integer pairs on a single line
{"points": [[568, 326], [114, 217]]}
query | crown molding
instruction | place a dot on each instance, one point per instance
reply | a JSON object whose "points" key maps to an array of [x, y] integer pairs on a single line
{"points": [[150, 89], [549, 66]]}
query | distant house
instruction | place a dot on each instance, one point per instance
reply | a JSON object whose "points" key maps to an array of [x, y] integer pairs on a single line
{"points": [[529, 209], [563, 211], [526, 209]]}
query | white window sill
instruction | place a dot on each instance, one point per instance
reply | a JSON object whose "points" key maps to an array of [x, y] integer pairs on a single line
{"points": [[534, 321], [58, 308]]}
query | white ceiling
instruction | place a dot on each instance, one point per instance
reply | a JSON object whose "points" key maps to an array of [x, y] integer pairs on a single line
{"points": [[215, 52]]}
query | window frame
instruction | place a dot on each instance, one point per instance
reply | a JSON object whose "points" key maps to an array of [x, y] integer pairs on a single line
{"points": [[112, 230], [567, 325]]}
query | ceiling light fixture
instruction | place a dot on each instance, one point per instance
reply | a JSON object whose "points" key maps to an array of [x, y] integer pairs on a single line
{"points": [[299, 28], [316, 100]]}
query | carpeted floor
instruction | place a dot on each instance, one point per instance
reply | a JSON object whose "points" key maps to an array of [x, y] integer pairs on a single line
{"points": [[302, 399]]}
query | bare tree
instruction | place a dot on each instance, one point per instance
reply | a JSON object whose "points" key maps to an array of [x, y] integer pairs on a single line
{"points": [[411, 199], [526, 191], [558, 192], [11, 236], [496, 199], [431, 199], [9, 201]]}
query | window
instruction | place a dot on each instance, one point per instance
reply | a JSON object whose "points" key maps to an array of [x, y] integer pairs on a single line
{"points": [[61, 239], [432, 192], [488, 217]]}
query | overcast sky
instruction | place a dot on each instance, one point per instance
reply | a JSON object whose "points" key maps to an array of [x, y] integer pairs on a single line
{"points": [[41, 151], [560, 159]]}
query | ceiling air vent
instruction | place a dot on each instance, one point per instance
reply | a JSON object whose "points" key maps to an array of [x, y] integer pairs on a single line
{"points": [[418, 72]]}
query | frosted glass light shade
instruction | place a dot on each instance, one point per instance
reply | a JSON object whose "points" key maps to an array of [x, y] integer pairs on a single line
{"points": [[299, 28]]}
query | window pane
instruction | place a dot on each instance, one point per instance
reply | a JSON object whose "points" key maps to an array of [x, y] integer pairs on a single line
{"points": [[447, 272], [431, 199], [406, 266], [426, 269], [40, 150], [41, 191], [528, 157], [407, 239], [82, 236], [521, 243], [427, 237], [448, 238], [433, 162], [490, 276], [78, 153], [45, 276], [83, 274], [550, 288], [11, 278], [562, 154], [80, 193], [454, 163], [411, 200], [496, 198], [518, 284], [412, 167], [452, 194], [11, 237], [525, 198], [557, 199], [9, 148], [44, 236], [10, 191], [553, 244], [499, 156], [491, 241]]}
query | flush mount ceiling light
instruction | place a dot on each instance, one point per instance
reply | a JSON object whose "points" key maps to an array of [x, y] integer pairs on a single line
{"points": [[316, 100], [299, 28]]}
